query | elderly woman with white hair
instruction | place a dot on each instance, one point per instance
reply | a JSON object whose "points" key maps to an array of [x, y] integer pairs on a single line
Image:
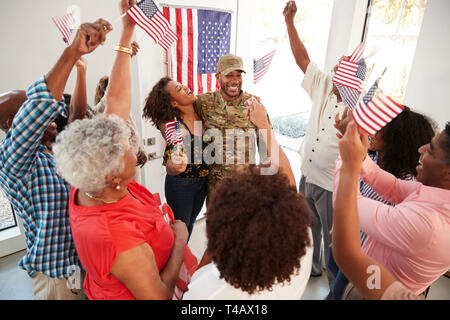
{"points": [[123, 239]]}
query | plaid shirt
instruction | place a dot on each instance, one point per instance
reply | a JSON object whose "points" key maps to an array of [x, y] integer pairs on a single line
{"points": [[38, 194]]}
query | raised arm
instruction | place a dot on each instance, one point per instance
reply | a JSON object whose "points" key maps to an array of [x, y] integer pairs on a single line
{"points": [[43, 102], [87, 39], [346, 237], [297, 46], [118, 94], [78, 103]]}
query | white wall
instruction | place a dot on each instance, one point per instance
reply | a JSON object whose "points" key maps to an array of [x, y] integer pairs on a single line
{"points": [[346, 28], [429, 80]]}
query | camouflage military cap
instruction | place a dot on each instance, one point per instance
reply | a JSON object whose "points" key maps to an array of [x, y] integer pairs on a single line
{"points": [[229, 63]]}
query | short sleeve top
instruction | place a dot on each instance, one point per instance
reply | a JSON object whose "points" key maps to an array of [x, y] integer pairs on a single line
{"points": [[102, 232]]}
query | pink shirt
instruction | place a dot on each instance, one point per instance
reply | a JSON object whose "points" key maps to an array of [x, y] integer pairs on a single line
{"points": [[412, 239]]}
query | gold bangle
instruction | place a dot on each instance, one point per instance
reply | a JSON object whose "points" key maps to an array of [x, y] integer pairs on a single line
{"points": [[121, 48]]}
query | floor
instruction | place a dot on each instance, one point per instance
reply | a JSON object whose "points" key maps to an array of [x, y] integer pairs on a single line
{"points": [[16, 285]]}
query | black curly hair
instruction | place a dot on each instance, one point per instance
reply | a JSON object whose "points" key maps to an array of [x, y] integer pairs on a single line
{"points": [[158, 105], [257, 228], [402, 137], [446, 142]]}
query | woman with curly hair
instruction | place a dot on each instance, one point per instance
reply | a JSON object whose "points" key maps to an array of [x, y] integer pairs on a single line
{"points": [[259, 232], [185, 184], [395, 149]]}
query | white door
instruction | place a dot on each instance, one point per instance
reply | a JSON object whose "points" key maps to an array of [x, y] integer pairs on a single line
{"points": [[151, 67]]}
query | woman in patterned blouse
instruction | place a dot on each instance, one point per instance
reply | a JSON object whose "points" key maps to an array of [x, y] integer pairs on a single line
{"points": [[185, 185]]}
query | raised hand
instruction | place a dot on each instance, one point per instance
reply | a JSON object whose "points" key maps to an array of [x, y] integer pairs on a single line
{"points": [[81, 64], [90, 35], [124, 6], [353, 146], [135, 47], [341, 124], [289, 11]]}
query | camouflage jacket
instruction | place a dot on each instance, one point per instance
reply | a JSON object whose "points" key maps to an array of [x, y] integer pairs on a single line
{"points": [[233, 136]]}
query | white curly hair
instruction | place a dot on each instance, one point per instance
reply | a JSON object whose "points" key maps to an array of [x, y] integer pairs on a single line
{"points": [[89, 150]]}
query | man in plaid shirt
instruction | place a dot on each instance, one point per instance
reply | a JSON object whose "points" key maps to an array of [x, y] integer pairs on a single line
{"points": [[28, 176]]}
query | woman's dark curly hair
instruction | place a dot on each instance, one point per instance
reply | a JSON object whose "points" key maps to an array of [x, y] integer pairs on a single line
{"points": [[446, 142], [257, 228], [402, 138], [158, 105]]}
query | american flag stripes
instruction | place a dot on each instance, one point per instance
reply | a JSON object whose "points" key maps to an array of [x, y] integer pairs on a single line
{"points": [[261, 66], [203, 37], [372, 114], [65, 24], [150, 19], [350, 76], [349, 95], [173, 133], [357, 53]]}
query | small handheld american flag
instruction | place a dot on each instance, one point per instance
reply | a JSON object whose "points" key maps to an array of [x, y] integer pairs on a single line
{"points": [[261, 66], [375, 110], [65, 24], [173, 133], [147, 16], [350, 76]]}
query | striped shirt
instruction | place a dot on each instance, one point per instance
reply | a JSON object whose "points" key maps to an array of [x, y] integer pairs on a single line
{"points": [[367, 191], [39, 196]]}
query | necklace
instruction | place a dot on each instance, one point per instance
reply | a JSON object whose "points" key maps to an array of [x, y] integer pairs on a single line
{"points": [[99, 199]]}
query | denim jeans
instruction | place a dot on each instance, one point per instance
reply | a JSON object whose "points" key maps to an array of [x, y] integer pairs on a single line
{"points": [[185, 197], [340, 280]]}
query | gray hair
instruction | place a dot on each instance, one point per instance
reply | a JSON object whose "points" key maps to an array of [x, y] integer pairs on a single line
{"points": [[89, 150]]}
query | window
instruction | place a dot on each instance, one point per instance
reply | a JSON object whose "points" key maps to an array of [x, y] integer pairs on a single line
{"points": [[280, 89], [393, 26]]}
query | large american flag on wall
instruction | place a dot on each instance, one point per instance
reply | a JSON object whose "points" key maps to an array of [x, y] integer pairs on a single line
{"points": [[203, 37]]}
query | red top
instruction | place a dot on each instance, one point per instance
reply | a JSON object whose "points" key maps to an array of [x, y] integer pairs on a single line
{"points": [[102, 232]]}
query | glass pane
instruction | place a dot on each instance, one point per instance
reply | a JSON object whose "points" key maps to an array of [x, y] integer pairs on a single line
{"points": [[280, 88], [393, 28]]}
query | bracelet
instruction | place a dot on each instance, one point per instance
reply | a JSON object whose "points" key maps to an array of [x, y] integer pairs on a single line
{"points": [[124, 49]]}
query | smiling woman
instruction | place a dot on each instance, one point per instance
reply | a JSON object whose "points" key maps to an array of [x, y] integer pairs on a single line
{"points": [[185, 183]]}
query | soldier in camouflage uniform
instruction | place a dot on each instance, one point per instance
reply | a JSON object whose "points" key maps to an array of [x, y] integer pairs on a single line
{"points": [[224, 116]]}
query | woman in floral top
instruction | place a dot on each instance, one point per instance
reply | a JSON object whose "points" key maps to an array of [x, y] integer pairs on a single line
{"points": [[185, 185]]}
